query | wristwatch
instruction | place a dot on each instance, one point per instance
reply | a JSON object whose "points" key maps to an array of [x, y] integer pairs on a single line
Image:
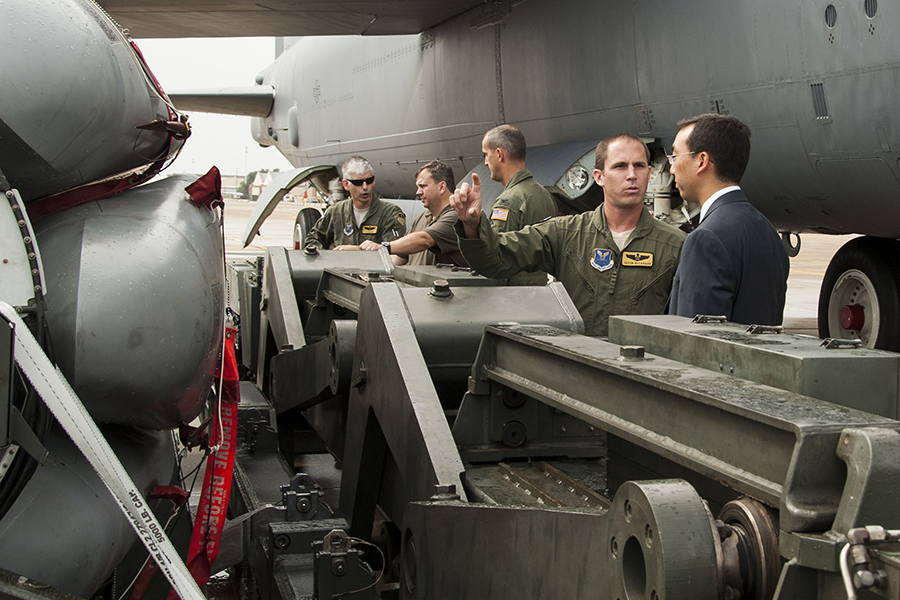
{"points": [[387, 245]]}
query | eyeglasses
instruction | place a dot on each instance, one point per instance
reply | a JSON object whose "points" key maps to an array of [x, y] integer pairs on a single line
{"points": [[672, 157], [358, 182]]}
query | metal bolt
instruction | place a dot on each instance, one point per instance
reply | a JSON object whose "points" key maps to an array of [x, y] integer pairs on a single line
{"points": [[304, 505], [21, 223], [441, 289], [281, 541], [9, 194], [31, 256], [311, 250], [338, 566], [634, 352], [37, 288], [26, 239], [15, 207]]}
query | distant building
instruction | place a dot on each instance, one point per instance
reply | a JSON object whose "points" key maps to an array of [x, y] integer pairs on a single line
{"points": [[230, 184], [259, 182]]}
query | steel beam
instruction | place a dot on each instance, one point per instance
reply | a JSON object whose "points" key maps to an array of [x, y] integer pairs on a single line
{"points": [[396, 425], [771, 444]]}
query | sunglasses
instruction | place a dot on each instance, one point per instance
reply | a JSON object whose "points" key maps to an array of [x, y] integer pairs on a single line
{"points": [[358, 182]]}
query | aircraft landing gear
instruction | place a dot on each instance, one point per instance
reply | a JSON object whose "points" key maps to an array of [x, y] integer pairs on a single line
{"points": [[860, 295], [303, 224]]}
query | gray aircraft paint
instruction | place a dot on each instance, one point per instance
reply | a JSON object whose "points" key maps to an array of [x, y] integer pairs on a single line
{"points": [[578, 70]]}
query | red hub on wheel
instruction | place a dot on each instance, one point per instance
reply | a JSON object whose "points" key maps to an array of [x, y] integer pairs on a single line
{"points": [[853, 317]]}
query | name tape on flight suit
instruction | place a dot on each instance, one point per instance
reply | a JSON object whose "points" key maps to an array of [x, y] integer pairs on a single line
{"points": [[637, 259], [65, 405]]}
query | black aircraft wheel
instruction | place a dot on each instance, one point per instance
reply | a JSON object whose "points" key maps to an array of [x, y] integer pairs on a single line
{"points": [[860, 295], [303, 224]]}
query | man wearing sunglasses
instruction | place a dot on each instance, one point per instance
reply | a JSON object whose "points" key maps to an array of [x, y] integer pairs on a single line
{"points": [[362, 217], [734, 264], [432, 239], [614, 260]]}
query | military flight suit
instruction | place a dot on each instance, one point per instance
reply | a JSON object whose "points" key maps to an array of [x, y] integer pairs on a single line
{"points": [[579, 251], [385, 222], [523, 202]]}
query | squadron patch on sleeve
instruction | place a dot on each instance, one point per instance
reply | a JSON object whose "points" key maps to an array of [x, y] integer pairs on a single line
{"points": [[499, 214], [637, 259], [370, 229], [401, 218], [348, 229], [602, 259]]}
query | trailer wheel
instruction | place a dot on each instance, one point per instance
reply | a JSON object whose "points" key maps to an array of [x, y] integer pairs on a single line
{"points": [[860, 295]]}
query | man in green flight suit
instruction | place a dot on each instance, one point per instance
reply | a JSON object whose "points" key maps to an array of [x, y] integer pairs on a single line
{"points": [[616, 259], [524, 201], [363, 216]]}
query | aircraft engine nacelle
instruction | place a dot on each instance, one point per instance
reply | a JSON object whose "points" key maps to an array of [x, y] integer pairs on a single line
{"points": [[74, 94], [135, 302]]}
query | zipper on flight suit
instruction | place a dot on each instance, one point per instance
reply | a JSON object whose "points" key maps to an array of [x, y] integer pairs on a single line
{"points": [[640, 292]]}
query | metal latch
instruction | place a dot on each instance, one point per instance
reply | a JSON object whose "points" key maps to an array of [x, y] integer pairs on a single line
{"points": [[709, 319], [754, 329], [835, 344]]}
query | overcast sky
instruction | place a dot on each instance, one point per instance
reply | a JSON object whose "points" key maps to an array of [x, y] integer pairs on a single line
{"points": [[221, 140]]}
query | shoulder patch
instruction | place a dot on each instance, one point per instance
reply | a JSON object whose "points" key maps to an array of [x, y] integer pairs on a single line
{"points": [[602, 259], [637, 259], [370, 229], [401, 218], [348, 229], [499, 214]]}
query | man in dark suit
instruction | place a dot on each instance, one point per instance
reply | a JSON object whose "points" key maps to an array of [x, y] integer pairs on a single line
{"points": [[734, 264]]}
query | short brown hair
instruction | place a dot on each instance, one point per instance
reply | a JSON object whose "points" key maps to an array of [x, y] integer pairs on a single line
{"points": [[603, 147], [440, 171]]}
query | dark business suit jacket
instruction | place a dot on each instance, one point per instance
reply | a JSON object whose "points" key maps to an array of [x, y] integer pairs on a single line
{"points": [[733, 264]]}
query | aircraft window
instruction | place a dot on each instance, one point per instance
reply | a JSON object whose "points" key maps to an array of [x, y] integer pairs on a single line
{"points": [[871, 8], [830, 16]]}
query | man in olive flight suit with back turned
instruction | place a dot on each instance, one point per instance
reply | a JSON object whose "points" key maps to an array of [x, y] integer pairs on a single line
{"points": [[523, 201], [361, 217], [614, 260]]}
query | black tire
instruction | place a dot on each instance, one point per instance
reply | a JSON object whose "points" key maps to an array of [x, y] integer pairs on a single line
{"points": [[303, 224], [864, 272]]}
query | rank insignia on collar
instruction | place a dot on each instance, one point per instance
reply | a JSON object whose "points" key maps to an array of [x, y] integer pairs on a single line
{"points": [[370, 229], [348, 229], [602, 259], [637, 259]]}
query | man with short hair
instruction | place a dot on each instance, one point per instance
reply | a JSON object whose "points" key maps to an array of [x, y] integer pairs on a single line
{"points": [[432, 239], [614, 260], [361, 217], [523, 201], [734, 264]]}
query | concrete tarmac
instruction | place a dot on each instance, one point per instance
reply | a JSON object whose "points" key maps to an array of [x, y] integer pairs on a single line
{"points": [[807, 269]]}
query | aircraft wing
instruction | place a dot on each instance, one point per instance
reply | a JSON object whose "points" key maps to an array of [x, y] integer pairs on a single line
{"points": [[231, 18]]}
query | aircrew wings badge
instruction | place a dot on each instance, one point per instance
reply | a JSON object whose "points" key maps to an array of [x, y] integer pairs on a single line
{"points": [[370, 229], [602, 259], [637, 259], [499, 214]]}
